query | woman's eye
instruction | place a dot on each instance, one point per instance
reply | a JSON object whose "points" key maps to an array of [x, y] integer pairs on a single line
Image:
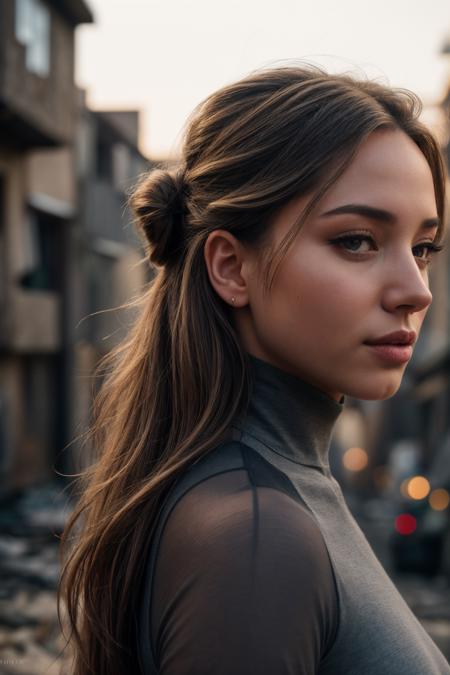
{"points": [[363, 243], [423, 251], [430, 249], [353, 242]]}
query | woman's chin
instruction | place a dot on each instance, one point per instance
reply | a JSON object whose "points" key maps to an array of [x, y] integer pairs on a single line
{"points": [[375, 388]]}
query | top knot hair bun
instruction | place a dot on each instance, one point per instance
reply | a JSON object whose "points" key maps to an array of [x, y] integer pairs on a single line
{"points": [[158, 203]]}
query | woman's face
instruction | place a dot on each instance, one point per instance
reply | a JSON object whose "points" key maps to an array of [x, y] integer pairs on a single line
{"points": [[355, 272]]}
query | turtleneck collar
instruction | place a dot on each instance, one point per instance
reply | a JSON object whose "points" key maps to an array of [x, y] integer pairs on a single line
{"points": [[289, 415]]}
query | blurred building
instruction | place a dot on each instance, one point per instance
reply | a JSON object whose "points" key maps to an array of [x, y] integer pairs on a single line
{"points": [[38, 204], [108, 267], [64, 252]]}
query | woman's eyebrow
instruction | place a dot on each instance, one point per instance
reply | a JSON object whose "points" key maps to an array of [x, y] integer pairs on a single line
{"points": [[377, 214]]}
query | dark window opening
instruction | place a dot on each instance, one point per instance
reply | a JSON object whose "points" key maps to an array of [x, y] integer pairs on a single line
{"points": [[46, 252], [104, 161]]}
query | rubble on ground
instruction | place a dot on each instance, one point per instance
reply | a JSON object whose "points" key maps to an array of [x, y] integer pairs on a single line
{"points": [[31, 523]]}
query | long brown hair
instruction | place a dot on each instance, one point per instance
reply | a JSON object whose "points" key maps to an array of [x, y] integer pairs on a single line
{"points": [[172, 388]]}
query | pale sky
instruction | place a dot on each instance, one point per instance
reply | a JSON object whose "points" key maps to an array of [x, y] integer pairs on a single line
{"points": [[164, 56]]}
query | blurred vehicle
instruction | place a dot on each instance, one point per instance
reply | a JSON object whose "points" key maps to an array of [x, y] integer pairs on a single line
{"points": [[417, 543], [420, 542]]}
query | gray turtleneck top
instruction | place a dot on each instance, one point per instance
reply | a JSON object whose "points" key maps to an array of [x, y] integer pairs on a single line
{"points": [[258, 566]]}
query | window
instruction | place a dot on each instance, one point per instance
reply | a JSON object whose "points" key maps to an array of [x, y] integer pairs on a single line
{"points": [[33, 32], [104, 160], [45, 239]]}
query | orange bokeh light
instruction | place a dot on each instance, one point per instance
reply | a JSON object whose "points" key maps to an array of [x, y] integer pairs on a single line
{"points": [[418, 487], [439, 499], [355, 459]]}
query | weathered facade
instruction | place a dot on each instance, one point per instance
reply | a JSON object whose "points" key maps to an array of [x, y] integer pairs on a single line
{"points": [[107, 255], [36, 71], [37, 207], [67, 248]]}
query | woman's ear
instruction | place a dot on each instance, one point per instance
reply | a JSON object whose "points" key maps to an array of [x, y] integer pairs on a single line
{"points": [[226, 261]]}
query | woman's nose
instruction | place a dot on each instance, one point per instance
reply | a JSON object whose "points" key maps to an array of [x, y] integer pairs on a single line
{"points": [[406, 286]]}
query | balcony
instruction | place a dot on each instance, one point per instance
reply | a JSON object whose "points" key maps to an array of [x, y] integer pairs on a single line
{"points": [[37, 99]]}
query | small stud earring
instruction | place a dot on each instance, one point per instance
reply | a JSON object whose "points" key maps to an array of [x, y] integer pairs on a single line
{"points": [[233, 299]]}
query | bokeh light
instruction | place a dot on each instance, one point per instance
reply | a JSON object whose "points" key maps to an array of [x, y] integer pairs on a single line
{"points": [[439, 499], [355, 459], [418, 487], [405, 523]]}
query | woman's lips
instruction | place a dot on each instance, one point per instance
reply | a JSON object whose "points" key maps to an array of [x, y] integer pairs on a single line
{"points": [[392, 353]]}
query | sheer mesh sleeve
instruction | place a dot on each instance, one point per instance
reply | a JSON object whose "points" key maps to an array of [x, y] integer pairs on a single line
{"points": [[243, 584]]}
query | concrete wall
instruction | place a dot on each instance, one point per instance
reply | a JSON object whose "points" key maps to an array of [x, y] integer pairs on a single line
{"points": [[43, 107]]}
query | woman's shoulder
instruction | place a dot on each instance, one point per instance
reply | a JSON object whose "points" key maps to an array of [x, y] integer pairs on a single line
{"points": [[236, 553], [252, 507]]}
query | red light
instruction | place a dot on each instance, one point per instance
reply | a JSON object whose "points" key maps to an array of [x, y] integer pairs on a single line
{"points": [[405, 523]]}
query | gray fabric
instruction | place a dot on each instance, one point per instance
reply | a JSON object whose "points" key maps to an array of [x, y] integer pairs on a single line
{"points": [[243, 581], [289, 423]]}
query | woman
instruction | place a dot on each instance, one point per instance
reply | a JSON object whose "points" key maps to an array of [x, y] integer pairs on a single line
{"points": [[292, 248]]}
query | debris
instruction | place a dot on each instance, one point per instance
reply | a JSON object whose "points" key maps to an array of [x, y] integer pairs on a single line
{"points": [[31, 642]]}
